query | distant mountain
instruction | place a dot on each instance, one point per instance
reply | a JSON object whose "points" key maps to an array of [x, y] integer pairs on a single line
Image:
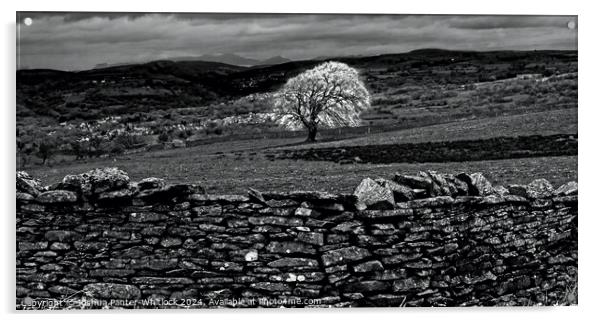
{"points": [[230, 59], [233, 59], [275, 60], [337, 57], [106, 65]]}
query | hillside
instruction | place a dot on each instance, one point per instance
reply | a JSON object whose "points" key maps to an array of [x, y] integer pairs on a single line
{"points": [[93, 94]]}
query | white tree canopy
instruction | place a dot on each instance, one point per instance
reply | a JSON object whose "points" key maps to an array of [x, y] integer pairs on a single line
{"points": [[329, 95]]}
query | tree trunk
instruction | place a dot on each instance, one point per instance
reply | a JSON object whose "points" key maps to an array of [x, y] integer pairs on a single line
{"points": [[312, 131]]}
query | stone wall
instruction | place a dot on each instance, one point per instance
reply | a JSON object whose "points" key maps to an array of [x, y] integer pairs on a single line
{"points": [[425, 240]]}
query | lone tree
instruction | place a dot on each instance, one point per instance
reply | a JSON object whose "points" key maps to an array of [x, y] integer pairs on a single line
{"points": [[329, 95]]}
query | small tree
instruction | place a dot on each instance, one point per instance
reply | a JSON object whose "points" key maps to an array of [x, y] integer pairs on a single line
{"points": [[329, 95], [46, 149], [79, 149], [95, 145]]}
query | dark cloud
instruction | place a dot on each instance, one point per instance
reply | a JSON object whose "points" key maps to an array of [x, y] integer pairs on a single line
{"points": [[71, 40], [510, 22], [70, 16]]}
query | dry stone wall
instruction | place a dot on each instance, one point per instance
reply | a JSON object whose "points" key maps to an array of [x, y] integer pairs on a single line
{"points": [[426, 240]]}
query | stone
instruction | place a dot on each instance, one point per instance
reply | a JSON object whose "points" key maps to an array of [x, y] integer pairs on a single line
{"points": [[256, 196], [374, 195], [334, 269], [47, 253], [514, 284], [150, 183], [171, 242], [353, 296], [90, 246], [96, 181], [518, 190], [384, 229], [24, 197], [327, 205], [344, 255], [62, 235], [77, 183], [32, 207], [539, 188], [282, 203], [60, 246], [57, 196], [390, 274], [414, 182], [567, 189], [306, 292], [33, 245], [311, 238], [366, 286], [400, 258], [61, 290], [152, 231], [117, 194], [377, 214], [411, 284], [211, 228], [112, 291], [293, 262], [439, 186], [156, 264], [27, 184], [387, 300], [478, 185], [41, 277], [431, 202], [334, 239], [316, 223], [151, 280], [251, 256], [305, 212], [218, 198], [147, 217], [275, 220], [460, 187], [304, 196], [287, 247], [400, 192], [347, 226], [500, 190], [271, 287], [117, 234], [111, 272], [369, 266]]}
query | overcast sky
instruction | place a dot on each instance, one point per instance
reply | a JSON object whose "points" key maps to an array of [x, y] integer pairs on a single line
{"points": [[75, 41]]}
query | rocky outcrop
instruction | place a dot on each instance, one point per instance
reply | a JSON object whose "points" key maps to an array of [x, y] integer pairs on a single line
{"points": [[540, 188], [374, 195], [567, 189], [96, 181], [428, 239], [27, 184]]}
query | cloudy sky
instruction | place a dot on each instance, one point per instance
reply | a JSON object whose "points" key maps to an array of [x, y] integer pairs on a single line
{"points": [[75, 41]]}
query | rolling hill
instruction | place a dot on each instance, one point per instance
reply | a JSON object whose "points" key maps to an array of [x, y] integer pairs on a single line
{"points": [[168, 84]]}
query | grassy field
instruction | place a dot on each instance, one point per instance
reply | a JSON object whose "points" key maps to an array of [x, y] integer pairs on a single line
{"points": [[232, 167], [542, 123], [232, 174]]}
